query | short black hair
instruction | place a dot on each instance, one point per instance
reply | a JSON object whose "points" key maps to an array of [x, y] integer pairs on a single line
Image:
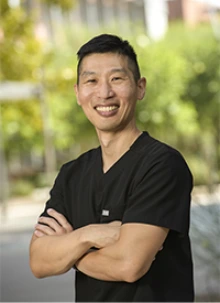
{"points": [[107, 43]]}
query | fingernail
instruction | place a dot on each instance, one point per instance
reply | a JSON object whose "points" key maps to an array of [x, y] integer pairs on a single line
{"points": [[49, 210]]}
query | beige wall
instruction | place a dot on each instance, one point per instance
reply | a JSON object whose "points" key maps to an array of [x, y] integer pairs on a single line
{"points": [[191, 11]]}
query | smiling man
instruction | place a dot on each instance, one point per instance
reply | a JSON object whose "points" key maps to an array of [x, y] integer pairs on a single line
{"points": [[118, 214]]}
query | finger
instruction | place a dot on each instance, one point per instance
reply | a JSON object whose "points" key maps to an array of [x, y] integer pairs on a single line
{"points": [[45, 229], [54, 225], [60, 218], [50, 222], [39, 233]]}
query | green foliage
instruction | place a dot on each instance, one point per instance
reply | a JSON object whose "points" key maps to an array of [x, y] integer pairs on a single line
{"points": [[181, 106], [203, 56], [201, 50], [67, 119], [22, 126], [20, 52], [21, 57], [167, 77], [4, 7], [21, 188], [64, 4]]}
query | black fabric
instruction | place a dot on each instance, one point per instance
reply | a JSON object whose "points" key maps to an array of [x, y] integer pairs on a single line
{"points": [[150, 184]]}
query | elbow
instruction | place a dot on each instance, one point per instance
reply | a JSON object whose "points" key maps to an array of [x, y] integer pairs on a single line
{"points": [[36, 270], [131, 277], [42, 270], [133, 272], [39, 267], [36, 273], [35, 262]]}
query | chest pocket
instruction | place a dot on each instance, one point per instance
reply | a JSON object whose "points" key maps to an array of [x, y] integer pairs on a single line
{"points": [[112, 213]]}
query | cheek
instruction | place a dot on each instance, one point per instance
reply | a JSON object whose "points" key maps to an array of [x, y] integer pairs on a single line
{"points": [[128, 95], [85, 97]]}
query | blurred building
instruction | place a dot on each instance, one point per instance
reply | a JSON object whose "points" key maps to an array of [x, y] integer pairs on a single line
{"points": [[190, 11], [153, 16]]}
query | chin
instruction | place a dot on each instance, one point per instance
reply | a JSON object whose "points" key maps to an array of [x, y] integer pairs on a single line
{"points": [[110, 129]]}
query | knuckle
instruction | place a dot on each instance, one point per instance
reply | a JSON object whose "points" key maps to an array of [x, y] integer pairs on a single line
{"points": [[44, 219], [41, 219], [40, 226], [66, 224], [60, 216]]}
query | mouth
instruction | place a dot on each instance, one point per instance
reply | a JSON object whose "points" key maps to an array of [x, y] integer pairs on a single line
{"points": [[106, 109]]}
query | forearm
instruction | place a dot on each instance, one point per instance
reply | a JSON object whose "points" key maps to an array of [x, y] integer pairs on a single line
{"points": [[106, 264], [54, 255], [129, 258]]}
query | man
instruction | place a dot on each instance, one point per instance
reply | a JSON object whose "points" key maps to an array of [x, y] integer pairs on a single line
{"points": [[114, 208]]}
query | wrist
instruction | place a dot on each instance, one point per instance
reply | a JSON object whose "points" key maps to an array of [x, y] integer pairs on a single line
{"points": [[85, 236]]}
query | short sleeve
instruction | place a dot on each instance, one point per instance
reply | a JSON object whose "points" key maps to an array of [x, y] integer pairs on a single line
{"points": [[162, 195], [56, 200]]}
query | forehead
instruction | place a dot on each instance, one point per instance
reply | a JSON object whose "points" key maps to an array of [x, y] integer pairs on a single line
{"points": [[100, 62]]}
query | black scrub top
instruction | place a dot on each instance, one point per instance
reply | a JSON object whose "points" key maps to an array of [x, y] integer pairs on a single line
{"points": [[150, 184]]}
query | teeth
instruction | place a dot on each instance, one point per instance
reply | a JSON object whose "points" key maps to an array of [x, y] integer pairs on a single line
{"points": [[106, 108]]}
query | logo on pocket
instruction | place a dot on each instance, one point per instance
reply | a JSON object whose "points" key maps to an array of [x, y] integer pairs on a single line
{"points": [[105, 212]]}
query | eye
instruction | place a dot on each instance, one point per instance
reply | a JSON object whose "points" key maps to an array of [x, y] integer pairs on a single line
{"points": [[91, 81], [116, 78]]}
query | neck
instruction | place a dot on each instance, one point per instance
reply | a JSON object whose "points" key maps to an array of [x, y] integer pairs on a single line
{"points": [[114, 145]]}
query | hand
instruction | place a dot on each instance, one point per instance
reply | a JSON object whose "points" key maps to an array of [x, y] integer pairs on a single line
{"points": [[58, 225], [103, 235]]}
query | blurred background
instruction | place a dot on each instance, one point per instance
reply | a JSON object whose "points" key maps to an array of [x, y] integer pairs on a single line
{"points": [[42, 127]]}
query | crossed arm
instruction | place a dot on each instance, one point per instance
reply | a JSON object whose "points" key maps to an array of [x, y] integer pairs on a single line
{"points": [[125, 252]]}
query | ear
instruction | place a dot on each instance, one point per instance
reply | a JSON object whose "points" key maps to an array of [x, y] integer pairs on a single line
{"points": [[142, 84], [77, 94]]}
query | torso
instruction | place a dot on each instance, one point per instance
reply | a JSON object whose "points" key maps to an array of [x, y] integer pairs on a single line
{"points": [[91, 196]]}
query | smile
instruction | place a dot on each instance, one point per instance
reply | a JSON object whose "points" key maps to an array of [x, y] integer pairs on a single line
{"points": [[106, 108]]}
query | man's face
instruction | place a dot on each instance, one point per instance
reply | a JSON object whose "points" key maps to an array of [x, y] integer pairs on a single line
{"points": [[107, 91]]}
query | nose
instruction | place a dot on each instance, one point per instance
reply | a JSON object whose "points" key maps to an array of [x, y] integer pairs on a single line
{"points": [[105, 90]]}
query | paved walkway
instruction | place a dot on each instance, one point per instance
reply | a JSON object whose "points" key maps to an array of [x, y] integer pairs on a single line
{"points": [[21, 213]]}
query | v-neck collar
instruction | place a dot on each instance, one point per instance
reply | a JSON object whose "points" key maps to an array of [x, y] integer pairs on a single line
{"points": [[120, 163]]}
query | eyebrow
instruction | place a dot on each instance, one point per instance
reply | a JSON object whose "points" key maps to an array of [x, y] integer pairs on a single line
{"points": [[114, 70], [87, 73], [120, 70]]}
